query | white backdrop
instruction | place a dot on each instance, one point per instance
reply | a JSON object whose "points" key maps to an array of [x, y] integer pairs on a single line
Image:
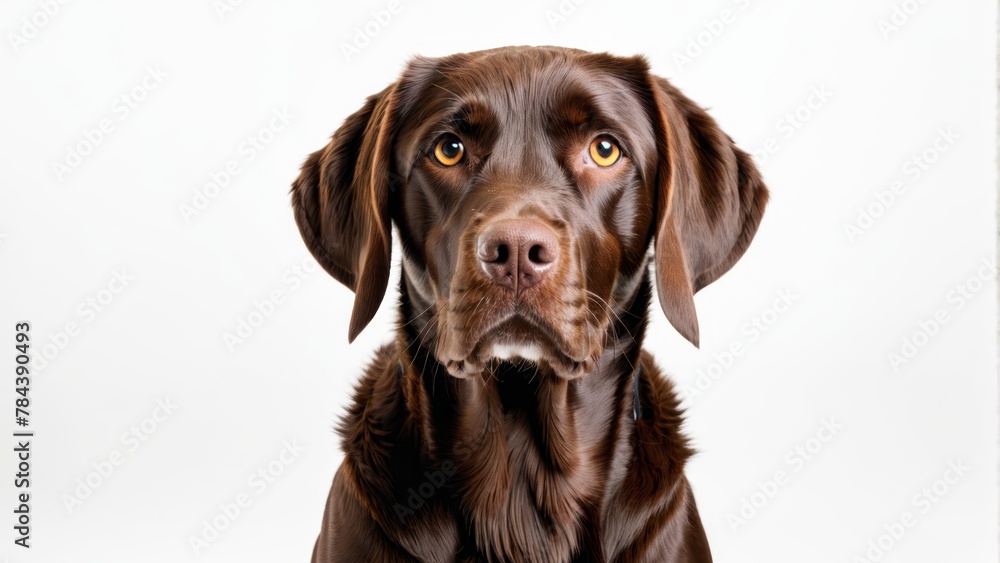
{"points": [[146, 157]]}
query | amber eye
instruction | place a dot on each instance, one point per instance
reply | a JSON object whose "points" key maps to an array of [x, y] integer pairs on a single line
{"points": [[449, 151], [605, 152]]}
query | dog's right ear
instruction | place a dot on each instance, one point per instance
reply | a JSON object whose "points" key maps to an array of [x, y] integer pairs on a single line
{"points": [[341, 204]]}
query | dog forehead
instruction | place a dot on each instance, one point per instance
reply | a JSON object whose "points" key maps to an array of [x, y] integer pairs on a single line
{"points": [[547, 89], [523, 92], [518, 79]]}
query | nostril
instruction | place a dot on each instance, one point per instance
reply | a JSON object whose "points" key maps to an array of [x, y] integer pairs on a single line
{"points": [[493, 252], [541, 254], [535, 254], [502, 254]]}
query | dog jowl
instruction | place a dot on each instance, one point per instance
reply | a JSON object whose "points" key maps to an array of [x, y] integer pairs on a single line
{"points": [[526, 186]]}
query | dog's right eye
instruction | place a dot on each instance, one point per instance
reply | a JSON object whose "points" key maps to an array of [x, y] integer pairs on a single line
{"points": [[449, 150], [605, 152]]}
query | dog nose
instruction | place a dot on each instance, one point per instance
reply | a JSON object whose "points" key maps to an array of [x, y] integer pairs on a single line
{"points": [[518, 253]]}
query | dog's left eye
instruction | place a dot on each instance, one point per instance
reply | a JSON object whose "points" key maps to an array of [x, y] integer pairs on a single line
{"points": [[449, 150], [605, 152]]}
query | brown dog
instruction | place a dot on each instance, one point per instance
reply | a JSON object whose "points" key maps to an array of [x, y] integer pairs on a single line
{"points": [[515, 417]]}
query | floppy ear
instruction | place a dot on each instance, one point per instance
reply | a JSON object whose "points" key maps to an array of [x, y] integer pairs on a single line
{"points": [[709, 204], [341, 204]]}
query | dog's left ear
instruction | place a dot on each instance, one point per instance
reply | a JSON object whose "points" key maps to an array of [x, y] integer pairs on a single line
{"points": [[710, 199]]}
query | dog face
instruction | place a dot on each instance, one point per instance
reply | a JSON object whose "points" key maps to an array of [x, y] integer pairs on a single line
{"points": [[525, 208], [526, 185]]}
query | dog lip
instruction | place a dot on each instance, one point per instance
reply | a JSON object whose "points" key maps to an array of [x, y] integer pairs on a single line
{"points": [[529, 338], [559, 363], [527, 329], [525, 350], [514, 330]]}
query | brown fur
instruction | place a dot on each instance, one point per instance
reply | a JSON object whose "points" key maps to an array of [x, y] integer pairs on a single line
{"points": [[452, 454]]}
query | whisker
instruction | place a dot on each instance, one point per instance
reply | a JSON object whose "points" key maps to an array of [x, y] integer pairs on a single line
{"points": [[417, 316], [612, 311], [615, 344]]}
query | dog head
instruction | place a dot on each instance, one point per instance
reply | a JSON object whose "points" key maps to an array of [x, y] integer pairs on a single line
{"points": [[527, 185]]}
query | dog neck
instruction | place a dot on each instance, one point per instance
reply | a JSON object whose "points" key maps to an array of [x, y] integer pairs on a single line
{"points": [[532, 451]]}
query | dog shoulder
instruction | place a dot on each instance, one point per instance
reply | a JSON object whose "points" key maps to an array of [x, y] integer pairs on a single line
{"points": [[375, 409], [659, 441]]}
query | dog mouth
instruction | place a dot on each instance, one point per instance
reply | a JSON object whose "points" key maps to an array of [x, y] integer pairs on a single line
{"points": [[521, 338]]}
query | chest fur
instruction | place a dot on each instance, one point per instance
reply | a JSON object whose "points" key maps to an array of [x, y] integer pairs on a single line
{"points": [[529, 477]]}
